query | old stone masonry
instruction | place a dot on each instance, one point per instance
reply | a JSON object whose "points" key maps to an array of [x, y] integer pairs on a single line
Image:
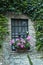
{"points": [[14, 58], [10, 57]]}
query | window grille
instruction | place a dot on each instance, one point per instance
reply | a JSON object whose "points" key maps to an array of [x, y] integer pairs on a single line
{"points": [[19, 26]]}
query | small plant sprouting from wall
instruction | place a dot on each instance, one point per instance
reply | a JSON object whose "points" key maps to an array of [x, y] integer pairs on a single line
{"points": [[29, 60], [3, 28]]}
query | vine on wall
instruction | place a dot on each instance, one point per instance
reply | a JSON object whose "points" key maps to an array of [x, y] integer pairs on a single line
{"points": [[39, 35], [3, 28], [33, 8]]}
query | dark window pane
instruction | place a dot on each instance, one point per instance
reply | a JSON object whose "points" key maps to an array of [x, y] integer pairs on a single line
{"points": [[12, 29], [16, 29], [20, 29], [19, 26], [19, 23], [16, 23], [24, 23]]}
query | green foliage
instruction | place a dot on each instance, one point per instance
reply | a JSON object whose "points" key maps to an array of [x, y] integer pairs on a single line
{"points": [[39, 35], [27, 45], [33, 8], [3, 28], [39, 45], [29, 59]]}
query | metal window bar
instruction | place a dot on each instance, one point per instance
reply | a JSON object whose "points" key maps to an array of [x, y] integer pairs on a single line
{"points": [[17, 26]]}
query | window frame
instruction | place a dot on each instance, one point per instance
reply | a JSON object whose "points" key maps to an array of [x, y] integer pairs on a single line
{"points": [[26, 20]]}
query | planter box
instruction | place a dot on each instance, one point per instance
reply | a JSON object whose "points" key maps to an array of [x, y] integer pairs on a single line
{"points": [[19, 49], [22, 50]]}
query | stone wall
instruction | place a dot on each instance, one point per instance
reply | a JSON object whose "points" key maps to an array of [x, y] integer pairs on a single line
{"points": [[32, 33]]}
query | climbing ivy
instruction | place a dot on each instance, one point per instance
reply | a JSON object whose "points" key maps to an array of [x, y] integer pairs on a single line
{"points": [[39, 35], [3, 28], [33, 9]]}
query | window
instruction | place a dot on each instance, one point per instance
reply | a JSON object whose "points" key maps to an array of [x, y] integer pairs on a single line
{"points": [[19, 26]]}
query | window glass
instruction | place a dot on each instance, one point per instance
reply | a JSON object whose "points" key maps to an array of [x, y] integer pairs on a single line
{"points": [[19, 26]]}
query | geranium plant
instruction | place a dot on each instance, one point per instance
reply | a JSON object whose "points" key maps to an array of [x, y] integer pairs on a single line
{"points": [[21, 43]]}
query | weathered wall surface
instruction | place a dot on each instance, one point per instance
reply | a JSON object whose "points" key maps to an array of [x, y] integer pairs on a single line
{"points": [[32, 33], [6, 45]]}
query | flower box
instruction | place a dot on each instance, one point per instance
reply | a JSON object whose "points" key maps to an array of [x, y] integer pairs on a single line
{"points": [[22, 50], [21, 44]]}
